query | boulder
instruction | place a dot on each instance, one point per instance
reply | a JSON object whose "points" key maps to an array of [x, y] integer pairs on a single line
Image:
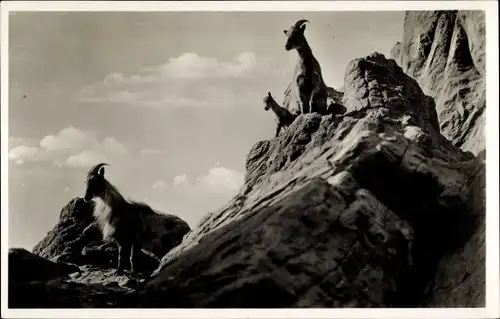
{"points": [[37, 282], [64, 293], [60, 242], [26, 266]]}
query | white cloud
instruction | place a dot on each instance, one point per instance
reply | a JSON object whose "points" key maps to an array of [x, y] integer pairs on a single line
{"points": [[86, 158], [159, 185], [180, 180], [218, 180], [151, 152], [16, 141], [70, 147], [221, 179], [66, 139], [20, 152], [114, 78], [193, 66], [188, 80], [113, 146]]}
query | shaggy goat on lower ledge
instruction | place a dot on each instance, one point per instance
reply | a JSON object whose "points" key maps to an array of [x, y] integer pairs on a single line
{"points": [[130, 224]]}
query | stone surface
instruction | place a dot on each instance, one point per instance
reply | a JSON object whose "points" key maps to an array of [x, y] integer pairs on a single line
{"points": [[36, 282], [261, 254], [461, 275], [445, 52], [375, 82], [25, 266], [40, 279], [63, 293], [60, 242], [358, 210]]}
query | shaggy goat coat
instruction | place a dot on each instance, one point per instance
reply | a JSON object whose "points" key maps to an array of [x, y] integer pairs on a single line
{"points": [[131, 221]]}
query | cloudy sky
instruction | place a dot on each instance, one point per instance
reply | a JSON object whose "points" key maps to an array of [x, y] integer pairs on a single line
{"points": [[173, 101]]}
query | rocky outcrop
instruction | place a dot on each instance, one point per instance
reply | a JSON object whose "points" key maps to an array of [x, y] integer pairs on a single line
{"points": [[460, 275], [60, 242], [25, 266], [364, 209], [36, 282], [68, 242], [73, 268], [445, 51], [62, 293]]}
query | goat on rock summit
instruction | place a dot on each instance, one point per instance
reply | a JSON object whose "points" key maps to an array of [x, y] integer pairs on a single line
{"points": [[308, 85]]}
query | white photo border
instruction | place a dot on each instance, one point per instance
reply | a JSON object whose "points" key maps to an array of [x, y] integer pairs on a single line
{"points": [[492, 309]]}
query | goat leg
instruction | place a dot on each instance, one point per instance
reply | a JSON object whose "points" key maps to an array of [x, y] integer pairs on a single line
{"points": [[318, 100], [278, 129], [302, 96], [123, 255], [135, 254]]}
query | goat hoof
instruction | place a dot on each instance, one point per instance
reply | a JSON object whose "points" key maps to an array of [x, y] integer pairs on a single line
{"points": [[119, 272]]}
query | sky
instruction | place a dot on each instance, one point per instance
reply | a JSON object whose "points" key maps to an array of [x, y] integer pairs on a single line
{"points": [[171, 100]]}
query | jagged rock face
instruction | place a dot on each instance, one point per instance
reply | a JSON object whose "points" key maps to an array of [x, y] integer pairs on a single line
{"points": [[73, 219], [445, 51], [65, 242], [374, 81], [40, 280], [358, 210], [460, 277], [258, 256]]}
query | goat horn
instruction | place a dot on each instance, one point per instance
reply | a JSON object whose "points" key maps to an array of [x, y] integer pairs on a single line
{"points": [[95, 169], [300, 23]]}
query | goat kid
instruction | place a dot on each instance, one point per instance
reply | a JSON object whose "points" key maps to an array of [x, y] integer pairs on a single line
{"points": [[283, 117], [310, 88], [119, 220]]}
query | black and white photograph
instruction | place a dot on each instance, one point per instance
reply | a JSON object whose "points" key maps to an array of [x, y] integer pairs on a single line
{"points": [[279, 156]]}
